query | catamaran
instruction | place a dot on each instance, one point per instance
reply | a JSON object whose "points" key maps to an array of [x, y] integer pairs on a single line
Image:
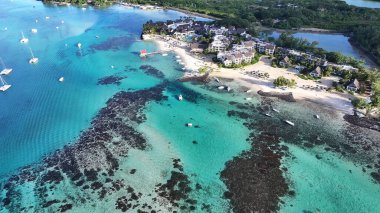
{"points": [[5, 70], [4, 84], [23, 39], [33, 60]]}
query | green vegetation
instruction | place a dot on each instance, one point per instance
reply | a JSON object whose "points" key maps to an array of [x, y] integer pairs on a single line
{"points": [[98, 3], [282, 81], [359, 103], [362, 24]]}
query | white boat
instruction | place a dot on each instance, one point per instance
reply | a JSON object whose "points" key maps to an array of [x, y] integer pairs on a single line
{"points": [[229, 89], [248, 99], [164, 54], [220, 87], [180, 98], [96, 36], [61, 79], [62, 22], [5, 71], [112, 67], [23, 39], [79, 45], [248, 91], [316, 116], [178, 56], [217, 79], [57, 27], [4, 84], [289, 122], [83, 8], [33, 60], [47, 17], [276, 110], [189, 124], [34, 30], [5, 28], [36, 20], [268, 115]]}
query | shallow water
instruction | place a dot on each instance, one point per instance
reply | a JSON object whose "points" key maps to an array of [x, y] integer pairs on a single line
{"points": [[40, 115], [363, 3]]}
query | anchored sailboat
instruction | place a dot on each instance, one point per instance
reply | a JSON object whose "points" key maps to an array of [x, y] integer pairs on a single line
{"points": [[23, 39], [4, 84], [5, 70], [33, 60]]}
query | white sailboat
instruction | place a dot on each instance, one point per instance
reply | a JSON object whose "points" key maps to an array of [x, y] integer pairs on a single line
{"points": [[61, 79], [5, 71], [4, 84], [289, 122], [33, 60], [23, 39]]}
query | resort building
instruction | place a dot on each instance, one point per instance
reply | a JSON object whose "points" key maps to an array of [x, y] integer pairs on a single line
{"points": [[266, 48], [285, 62], [353, 86], [219, 44], [317, 72]]}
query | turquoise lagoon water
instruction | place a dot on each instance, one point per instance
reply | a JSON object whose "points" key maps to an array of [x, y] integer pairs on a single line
{"points": [[39, 115], [363, 3]]}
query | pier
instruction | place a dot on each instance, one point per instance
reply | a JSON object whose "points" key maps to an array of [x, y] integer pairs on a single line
{"points": [[144, 53]]}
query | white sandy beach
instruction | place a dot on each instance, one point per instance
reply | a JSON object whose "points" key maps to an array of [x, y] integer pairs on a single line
{"points": [[338, 101]]}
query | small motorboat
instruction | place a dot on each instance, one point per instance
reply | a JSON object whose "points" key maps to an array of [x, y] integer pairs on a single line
{"points": [[79, 45], [4, 84], [61, 79], [289, 122], [33, 60], [5, 71], [47, 17], [57, 27], [164, 54], [112, 67], [34, 30], [228, 89], [268, 115], [189, 125], [83, 8], [178, 56], [62, 22], [317, 116], [96, 36], [23, 39], [248, 91], [220, 87], [248, 99], [36, 20], [276, 110], [180, 98]]}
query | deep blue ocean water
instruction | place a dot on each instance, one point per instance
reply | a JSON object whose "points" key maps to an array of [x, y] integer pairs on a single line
{"points": [[40, 115]]}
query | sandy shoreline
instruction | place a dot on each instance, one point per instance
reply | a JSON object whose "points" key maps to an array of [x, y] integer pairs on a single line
{"points": [[338, 101]]}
